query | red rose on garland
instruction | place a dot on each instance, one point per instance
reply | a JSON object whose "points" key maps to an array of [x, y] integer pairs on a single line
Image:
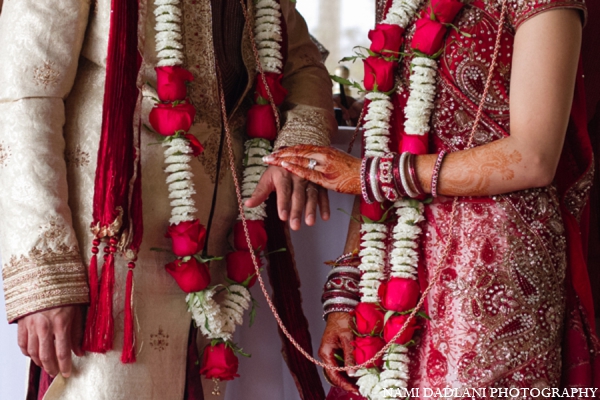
{"points": [[171, 83], [373, 211], [386, 37], [368, 319], [195, 144], [429, 36], [277, 90], [258, 235], [191, 276], [187, 237], [240, 267], [445, 10], [219, 362], [261, 122], [393, 326], [365, 348], [399, 294], [167, 119], [380, 71]]}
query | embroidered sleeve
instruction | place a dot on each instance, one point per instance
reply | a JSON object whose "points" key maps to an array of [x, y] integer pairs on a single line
{"points": [[40, 41], [522, 10], [308, 110]]}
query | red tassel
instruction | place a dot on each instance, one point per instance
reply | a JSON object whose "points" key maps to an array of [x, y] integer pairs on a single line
{"points": [[91, 316], [104, 324], [128, 353]]}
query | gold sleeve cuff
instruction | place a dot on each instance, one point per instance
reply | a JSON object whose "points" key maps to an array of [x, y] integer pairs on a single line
{"points": [[306, 125], [43, 279]]}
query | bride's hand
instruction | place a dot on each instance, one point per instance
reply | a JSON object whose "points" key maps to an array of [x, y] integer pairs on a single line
{"points": [[337, 338], [334, 169]]}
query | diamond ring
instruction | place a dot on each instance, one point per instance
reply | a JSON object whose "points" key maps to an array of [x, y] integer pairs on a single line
{"points": [[312, 163]]}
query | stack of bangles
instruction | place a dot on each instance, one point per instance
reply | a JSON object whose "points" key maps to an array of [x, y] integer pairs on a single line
{"points": [[394, 176], [341, 291]]}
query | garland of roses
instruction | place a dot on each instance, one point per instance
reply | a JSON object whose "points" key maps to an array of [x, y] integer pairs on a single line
{"points": [[172, 117], [384, 305]]}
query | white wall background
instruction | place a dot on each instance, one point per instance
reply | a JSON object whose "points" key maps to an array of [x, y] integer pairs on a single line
{"points": [[338, 25]]}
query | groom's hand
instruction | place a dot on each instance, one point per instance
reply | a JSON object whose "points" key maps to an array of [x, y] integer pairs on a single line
{"points": [[49, 336], [294, 195]]}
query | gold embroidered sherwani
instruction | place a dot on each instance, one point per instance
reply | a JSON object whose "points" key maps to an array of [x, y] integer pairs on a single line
{"points": [[51, 91]]}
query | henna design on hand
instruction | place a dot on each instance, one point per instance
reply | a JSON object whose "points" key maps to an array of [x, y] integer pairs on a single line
{"points": [[335, 169], [338, 336], [470, 172]]}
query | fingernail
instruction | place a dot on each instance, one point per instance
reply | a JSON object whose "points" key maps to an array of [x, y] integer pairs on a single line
{"points": [[310, 219], [268, 158], [296, 223], [284, 164], [326, 216], [283, 215]]}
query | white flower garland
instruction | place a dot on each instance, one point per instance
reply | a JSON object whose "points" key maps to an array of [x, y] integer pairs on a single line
{"points": [[404, 257], [216, 321]]}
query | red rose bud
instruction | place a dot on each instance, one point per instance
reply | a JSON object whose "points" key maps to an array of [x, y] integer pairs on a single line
{"points": [[258, 235], [429, 36], [393, 326], [445, 10], [167, 119], [277, 90], [194, 144], [191, 275], [187, 236], [379, 71], [372, 211], [240, 267], [386, 37], [219, 362], [369, 318], [399, 294], [365, 348], [171, 83], [261, 122]]}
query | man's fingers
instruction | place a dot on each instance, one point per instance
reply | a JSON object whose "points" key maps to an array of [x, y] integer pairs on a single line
{"points": [[77, 328], [47, 350], [22, 337], [323, 199], [261, 193], [33, 346], [283, 186], [63, 351], [312, 199], [298, 202]]}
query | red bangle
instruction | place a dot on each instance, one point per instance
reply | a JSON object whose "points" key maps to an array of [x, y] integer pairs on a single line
{"points": [[364, 181], [385, 178], [435, 175], [413, 175]]}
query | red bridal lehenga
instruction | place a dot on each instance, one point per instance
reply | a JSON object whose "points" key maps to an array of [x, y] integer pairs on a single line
{"points": [[513, 306]]}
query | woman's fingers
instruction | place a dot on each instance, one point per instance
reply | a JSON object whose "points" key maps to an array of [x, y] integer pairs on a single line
{"points": [[336, 377], [310, 175]]}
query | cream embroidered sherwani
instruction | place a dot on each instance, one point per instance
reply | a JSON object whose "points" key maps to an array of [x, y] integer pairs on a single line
{"points": [[51, 90]]}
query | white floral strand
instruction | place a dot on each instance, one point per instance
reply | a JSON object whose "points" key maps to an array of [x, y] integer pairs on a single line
{"points": [[404, 258], [372, 260], [267, 35], [179, 179], [254, 167], [218, 321], [168, 33], [422, 95]]}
